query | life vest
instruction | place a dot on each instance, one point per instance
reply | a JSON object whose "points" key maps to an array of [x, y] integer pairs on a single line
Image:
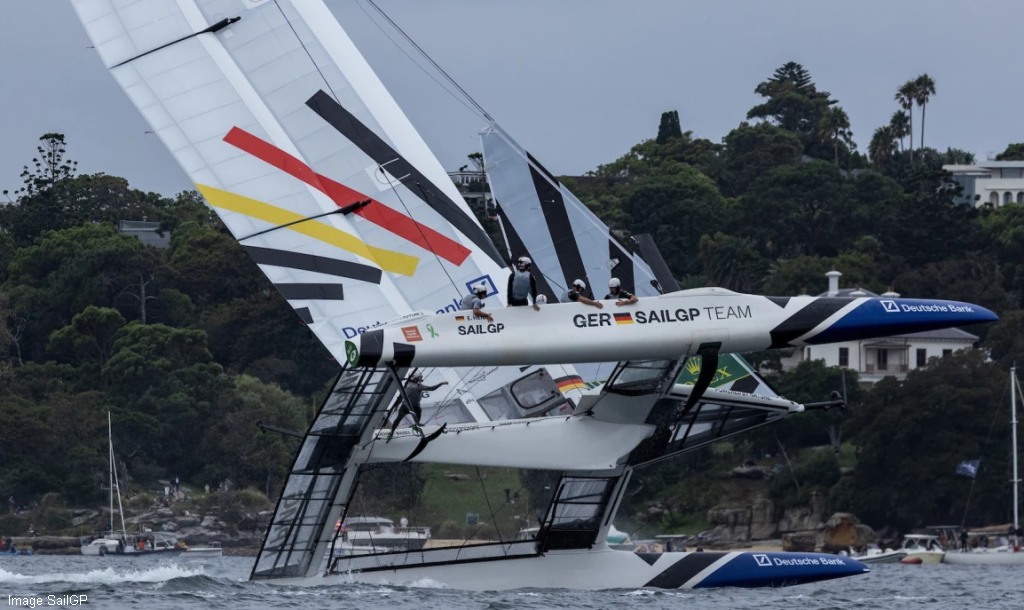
{"points": [[467, 301], [520, 284]]}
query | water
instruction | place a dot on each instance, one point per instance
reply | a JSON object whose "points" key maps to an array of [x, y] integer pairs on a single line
{"points": [[157, 583]]}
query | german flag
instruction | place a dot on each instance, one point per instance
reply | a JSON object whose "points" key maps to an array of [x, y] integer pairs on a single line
{"points": [[572, 382], [623, 318], [460, 318]]}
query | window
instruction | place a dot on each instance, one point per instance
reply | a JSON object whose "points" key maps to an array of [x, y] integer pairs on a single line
{"points": [[844, 357], [883, 359], [922, 356], [947, 353]]}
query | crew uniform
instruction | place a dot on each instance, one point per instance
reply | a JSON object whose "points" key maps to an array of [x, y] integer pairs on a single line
{"points": [[475, 301], [522, 285], [576, 295], [616, 292], [414, 390]]}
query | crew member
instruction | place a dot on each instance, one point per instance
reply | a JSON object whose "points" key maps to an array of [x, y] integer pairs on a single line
{"points": [[615, 291], [414, 390], [522, 285], [475, 301], [577, 294]]}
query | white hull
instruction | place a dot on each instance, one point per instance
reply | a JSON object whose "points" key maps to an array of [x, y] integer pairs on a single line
{"points": [[883, 557], [932, 557], [994, 557], [605, 568]]}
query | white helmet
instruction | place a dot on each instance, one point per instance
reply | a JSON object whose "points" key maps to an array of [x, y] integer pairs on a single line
{"points": [[614, 282], [541, 299], [524, 262], [579, 284], [480, 290]]}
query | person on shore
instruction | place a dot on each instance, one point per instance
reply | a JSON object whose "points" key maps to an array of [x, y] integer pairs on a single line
{"points": [[615, 291]]}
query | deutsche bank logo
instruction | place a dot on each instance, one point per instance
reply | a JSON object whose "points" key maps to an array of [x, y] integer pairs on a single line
{"points": [[890, 306], [762, 560]]}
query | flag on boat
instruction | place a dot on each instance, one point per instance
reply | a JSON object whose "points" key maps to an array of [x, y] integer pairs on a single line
{"points": [[968, 468]]}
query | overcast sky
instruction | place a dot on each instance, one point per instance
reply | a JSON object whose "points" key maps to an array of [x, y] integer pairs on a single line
{"points": [[577, 82]]}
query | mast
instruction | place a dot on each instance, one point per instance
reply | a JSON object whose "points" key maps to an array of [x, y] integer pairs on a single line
{"points": [[110, 459], [1013, 436]]}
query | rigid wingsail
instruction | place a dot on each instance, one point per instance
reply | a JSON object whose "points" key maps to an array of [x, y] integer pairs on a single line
{"points": [[309, 162]]}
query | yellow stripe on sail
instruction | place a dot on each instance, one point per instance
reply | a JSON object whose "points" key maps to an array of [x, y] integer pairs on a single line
{"points": [[388, 260]]}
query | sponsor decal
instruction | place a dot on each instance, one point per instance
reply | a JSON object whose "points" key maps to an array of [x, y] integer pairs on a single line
{"points": [[653, 316], [762, 560], [728, 312], [352, 353], [890, 306], [481, 329], [483, 279], [623, 318], [430, 329], [412, 333]]}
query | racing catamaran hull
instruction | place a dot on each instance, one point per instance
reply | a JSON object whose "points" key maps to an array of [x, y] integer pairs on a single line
{"points": [[605, 568], [666, 326]]}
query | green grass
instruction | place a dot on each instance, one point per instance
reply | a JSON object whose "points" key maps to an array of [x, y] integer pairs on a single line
{"points": [[446, 502]]}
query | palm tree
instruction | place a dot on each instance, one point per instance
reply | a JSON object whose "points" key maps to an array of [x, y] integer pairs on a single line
{"points": [[883, 145], [900, 124], [924, 88], [905, 95], [834, 127]]}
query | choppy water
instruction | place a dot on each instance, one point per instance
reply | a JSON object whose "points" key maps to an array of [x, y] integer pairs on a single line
{"points": [[156, 583]]}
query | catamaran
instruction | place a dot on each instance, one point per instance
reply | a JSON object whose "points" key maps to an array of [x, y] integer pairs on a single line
{"points": [[310, 163]]}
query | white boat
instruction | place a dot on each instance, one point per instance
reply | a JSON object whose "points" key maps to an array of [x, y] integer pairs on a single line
{"points": [[313, 167], [122, 543], [212, 549], [875, 554], [381, 532], [922, 548], [1009, 553]]}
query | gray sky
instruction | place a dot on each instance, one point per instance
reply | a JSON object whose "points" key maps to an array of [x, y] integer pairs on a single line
{"points": [[577, 82]]}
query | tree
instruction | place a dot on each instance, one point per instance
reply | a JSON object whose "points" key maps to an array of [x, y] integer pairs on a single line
{"points": [[50, 167], [834, 128], [1013, 152], [882, 148], [669, 128], [906, 95], [924, 88], [753, 150], [900, 125], [792, 101], [89, 339]]}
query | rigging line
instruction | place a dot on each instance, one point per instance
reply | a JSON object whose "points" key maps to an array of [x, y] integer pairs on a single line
{"points": [[302, 44], [412, 42], [412, 60], [991, 427]]}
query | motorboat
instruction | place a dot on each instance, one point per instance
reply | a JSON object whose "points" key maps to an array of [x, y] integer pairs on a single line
{"points": [[923, 547], [381, 532], [874, 554]]}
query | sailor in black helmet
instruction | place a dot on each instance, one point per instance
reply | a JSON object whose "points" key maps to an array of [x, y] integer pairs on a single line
{"points": [[615, 291], [475, 301], [521, 285], [414, 390], [578, 294]]}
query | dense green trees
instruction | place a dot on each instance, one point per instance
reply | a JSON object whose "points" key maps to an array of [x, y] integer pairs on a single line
{"points": [[189, 346]]}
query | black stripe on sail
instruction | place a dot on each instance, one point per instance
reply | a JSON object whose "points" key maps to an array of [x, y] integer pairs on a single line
{"points": [[748, 384], [312, 292], [518, 248], [542, 169], [683, 570], [624, 270], [806, 319], [652, 256], [380, 151], [560, 229], [371, 347], [318, 264], [304, 314]]}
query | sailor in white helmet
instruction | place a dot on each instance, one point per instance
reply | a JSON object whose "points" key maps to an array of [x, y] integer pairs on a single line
{"points": [[521, 285], [414, 389], [577, 294], [475, 301], [615, 291]]}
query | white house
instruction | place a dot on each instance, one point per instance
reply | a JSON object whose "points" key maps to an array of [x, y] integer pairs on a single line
{"points": [[994, 182], [893, 356]]}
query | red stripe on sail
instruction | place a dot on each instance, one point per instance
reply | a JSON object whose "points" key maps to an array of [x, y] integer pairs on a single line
{"points": [[376, 212]]}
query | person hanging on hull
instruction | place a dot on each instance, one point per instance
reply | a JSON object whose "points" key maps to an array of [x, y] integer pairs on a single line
{"points": [[522, 286], [615, 291], [414, 390], [474, 302], [577, 295]]}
